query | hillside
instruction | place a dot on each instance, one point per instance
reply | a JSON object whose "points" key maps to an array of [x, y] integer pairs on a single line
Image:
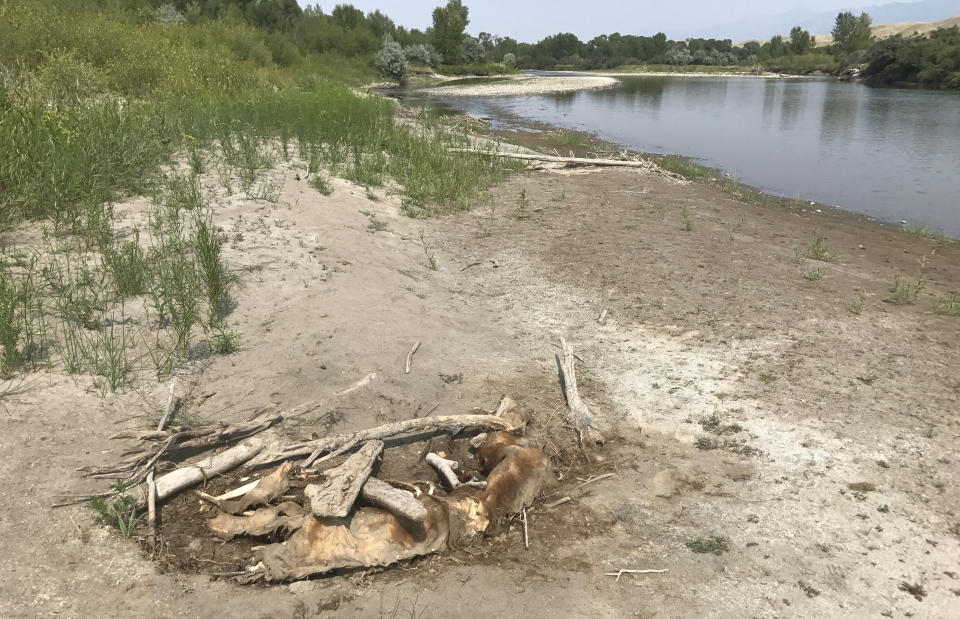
{"points": [[907, 28]]}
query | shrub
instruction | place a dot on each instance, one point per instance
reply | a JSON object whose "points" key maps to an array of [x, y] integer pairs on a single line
{"points": [[423, 54], [510, 59], [391, 61]]}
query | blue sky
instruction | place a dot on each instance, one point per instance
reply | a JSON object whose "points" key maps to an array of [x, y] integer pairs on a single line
{"points": [[532, 20]]}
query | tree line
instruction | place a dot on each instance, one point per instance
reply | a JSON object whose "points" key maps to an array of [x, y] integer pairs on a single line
{"points": [[295, 33]]}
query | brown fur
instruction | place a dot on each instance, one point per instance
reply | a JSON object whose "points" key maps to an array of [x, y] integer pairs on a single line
{"points": [[519, 474]]}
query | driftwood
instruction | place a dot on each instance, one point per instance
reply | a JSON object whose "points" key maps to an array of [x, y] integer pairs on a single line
{"points": [[552, 159], [335, 495], [191, 474], [172, 402], [410, 427], [446, 469], [139, 461], [578, 415], [410, 355], [396, 501]]}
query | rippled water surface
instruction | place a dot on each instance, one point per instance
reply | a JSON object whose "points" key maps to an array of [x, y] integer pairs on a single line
{"points": [[893, 154]]}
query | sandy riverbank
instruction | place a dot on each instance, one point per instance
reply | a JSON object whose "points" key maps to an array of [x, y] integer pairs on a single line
{"points": [[780, 439], [516, 85]]}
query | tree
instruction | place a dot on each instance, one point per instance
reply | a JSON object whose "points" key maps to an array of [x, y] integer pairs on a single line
{"points": [[852, 33], [472, 50], [346, 16], [776, 47], [449, 22], [390, 60], [800, 41], [510, 59]]}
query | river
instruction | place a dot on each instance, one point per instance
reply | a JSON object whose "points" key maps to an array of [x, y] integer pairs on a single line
{"points": [[892, 154]]}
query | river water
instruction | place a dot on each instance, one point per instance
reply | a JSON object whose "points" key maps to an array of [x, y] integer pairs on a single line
{"points": [[892, 154]]}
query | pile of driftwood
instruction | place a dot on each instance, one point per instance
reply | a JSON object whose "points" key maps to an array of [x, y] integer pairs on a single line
{"points": [[347, 516]]}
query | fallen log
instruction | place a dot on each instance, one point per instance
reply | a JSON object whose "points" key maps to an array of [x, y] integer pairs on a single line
{"points": [[191, 474], [335, 495], [578, 415], [398, 502], [553, 159], [409, 427]]}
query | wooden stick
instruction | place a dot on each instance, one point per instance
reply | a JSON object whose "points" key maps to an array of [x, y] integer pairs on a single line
{"points": [[396, 501], [526, 537], [151, 483], [578, 415], [551, 158], [446, 469], [363, 382], [191, 474], [620, 573], [172, 402], [603, 316], [557, 503], [335, 495], [594, 480], [410, 354], [390, 431]]}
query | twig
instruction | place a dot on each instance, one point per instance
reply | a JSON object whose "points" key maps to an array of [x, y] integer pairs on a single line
{"points": [[410, 355], [526, 538], [620, 573], [603, 316], [557, 503], [333, 454], [171, 405], [445, 468], [151, 503], [594, 479], [472, 264]]}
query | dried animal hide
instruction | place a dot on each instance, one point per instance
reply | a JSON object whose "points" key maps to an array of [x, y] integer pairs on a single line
{"points": [[370, 537], [268, 490], [517, 475], [265, 520]]}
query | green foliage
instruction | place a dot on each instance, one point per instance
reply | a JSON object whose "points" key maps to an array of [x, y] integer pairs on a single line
{"points": [[818, 250], [948, 305], [471, 51], [391, 60], [800, 41], [423, 54], [715, 544], [119, 511], [449, 22], [852, 33], [932, 60], [486, 69]]}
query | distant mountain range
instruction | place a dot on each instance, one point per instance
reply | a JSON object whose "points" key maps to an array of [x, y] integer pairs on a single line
{"points": [[766, 26]]}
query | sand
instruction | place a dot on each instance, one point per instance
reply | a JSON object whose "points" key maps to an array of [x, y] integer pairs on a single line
{"points": [[716, 323], [524, 85]]}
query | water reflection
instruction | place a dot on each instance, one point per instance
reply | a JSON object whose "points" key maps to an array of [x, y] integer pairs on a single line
{"points": [[890, 153]]}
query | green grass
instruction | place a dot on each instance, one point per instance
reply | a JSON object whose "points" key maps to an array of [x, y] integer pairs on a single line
{"points": [[818, 249], [119, 512], [715, 544], [948, 304], [98, 104], [567, 139], [815, 275], [687, 220]]}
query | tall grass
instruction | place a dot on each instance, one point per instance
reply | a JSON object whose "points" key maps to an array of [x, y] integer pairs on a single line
{"points": [[98, 103]]}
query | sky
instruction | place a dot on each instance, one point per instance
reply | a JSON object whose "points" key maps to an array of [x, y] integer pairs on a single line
{"points": [[531, 20]]}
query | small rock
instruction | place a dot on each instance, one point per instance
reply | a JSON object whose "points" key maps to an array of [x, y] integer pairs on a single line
{"points": [[302, 586]]}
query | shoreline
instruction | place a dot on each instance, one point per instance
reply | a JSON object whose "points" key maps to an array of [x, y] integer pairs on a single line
{"points": [[519, 85]]}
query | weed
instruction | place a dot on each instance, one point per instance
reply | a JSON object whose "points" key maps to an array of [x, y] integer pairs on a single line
{"points": [[858, 306], [567, 138], [917, 229], [560, 197], [225, 342], [321, 184], [375, 224], [197, 163], [707, 443], [128, 264], [814, 275], [523, 205], [208, 249], [948, 304], [431, 259], [883, 509], [687, 220], [119, 511], [903, 292], [916, 590], [767, 378], [818, 250], [715, 544], [799, 256]]}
